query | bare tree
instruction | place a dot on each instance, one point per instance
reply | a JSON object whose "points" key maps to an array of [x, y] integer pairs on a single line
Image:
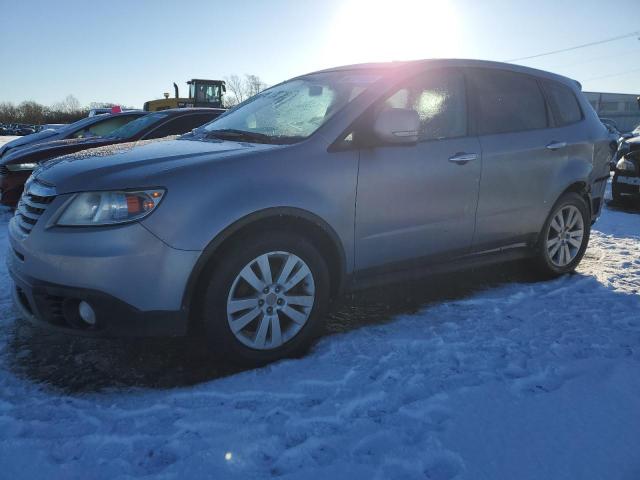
{"points": [[240, 89], [253, 85], [8, 112], [32, 112], [69, 105], [235, 90]]}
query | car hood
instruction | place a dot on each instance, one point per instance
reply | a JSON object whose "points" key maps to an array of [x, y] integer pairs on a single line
{"points": [[134, 164], [23, 153], [43, 136]]}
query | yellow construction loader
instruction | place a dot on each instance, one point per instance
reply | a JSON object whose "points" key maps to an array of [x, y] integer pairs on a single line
{"points": [[202, 93]]}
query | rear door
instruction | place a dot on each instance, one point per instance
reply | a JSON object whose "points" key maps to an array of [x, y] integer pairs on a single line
{"points": [[520, 152], [418, 201]]}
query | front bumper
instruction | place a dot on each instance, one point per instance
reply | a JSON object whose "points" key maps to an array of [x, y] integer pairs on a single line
{"points": [[134, 282], [629, 185], [55, 307]]}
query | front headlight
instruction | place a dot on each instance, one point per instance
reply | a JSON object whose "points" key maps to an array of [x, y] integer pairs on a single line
{"points": [[21, 167], [109, 208], [625, 165]]}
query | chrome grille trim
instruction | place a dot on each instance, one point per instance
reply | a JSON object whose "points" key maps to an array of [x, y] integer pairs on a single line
{"points": [[33, 203]]}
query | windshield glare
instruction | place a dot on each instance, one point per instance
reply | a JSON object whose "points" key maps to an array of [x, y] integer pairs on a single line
{"points": [[136, 126], [294, 110]]}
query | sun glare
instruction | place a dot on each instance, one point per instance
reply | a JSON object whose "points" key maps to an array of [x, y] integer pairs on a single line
{"points": [[374, 30]]}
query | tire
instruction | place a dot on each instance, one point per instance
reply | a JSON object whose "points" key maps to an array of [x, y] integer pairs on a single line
{"points": [[257, 343], [561, 263]]}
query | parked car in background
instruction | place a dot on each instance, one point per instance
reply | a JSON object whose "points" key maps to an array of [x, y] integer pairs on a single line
{"points": [[16, 166], [84, 128], [23, 129], [626, 177], [99, 111], [245, 229]]}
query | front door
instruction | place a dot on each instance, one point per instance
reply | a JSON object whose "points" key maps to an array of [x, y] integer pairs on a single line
{"points": [[419, 201]]}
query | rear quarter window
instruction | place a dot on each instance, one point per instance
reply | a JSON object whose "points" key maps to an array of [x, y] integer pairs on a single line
{"points": [[563, 102], [506, 102]]}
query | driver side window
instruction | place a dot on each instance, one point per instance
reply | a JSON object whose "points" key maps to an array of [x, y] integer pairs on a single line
{"points": [[439, 99]]}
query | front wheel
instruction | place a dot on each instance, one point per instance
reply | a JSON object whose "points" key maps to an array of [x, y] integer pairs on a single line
{"points": [[564, 237], [266, 299]]}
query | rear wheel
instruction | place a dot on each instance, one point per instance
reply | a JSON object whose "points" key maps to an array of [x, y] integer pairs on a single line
{"points": [[266, 299], [564, 237]]}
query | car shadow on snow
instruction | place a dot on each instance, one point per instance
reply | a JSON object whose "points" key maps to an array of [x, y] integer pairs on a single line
{"points": [[80, 364]]}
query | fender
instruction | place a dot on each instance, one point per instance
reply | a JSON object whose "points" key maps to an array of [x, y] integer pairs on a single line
{"points": [[272, 212]]}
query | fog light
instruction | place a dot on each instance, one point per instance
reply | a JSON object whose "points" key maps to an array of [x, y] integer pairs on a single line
{"points": [[86, 313]]}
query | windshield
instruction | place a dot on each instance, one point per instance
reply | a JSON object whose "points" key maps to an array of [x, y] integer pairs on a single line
{"points": [[294, 110], [136, 126]]}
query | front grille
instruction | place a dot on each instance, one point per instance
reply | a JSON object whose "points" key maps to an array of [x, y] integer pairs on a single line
{"points": [[4, 170], [33, 203]]}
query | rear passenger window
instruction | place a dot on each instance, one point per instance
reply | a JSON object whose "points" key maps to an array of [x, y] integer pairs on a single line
{"points": [[439, 99], [507, 102], [564, 104]]}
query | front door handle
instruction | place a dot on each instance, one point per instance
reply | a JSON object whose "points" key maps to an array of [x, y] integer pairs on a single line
{"points": [[556, 145], [462, 158]]}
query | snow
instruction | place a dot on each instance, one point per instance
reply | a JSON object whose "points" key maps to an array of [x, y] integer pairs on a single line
{"points": [[491, 376]]}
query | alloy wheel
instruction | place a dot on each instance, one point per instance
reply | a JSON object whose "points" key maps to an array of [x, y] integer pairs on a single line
{"points": [[564, 239], [270, 300]]}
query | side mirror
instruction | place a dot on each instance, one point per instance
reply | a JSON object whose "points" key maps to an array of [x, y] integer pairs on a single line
{"points": [[397, 125]]}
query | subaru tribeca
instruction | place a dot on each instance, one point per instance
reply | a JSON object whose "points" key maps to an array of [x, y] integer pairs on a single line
{"points": [[246, 228]]}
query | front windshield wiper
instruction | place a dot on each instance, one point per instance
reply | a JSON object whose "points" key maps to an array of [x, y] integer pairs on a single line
{"points": [[235, 134]]}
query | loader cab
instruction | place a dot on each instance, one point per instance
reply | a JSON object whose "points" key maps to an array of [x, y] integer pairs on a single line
{"points": [[206, 93]]}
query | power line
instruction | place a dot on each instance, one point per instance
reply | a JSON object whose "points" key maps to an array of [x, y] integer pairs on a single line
{"points": [[612, 75], [594, 59], [576, 47]]}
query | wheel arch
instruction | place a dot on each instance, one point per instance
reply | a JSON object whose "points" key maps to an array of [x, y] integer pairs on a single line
{"points": [[320, 233], [581, 188]]}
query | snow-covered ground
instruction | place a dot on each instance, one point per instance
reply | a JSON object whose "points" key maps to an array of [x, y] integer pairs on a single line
{"points": [[491, 377]]}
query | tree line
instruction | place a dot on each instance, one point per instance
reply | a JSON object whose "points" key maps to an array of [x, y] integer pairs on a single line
{"points": [[69, 110]]}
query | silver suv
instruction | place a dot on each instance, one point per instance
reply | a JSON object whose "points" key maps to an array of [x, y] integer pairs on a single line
{"points": [[246, 228]]}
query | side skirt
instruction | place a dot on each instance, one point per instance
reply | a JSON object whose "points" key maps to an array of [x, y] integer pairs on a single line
{"points": [[412, 270]]}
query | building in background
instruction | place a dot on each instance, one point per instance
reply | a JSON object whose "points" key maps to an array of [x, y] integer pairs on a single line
{"points": [[622, 108]]}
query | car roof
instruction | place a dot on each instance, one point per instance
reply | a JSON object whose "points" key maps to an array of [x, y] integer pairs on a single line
{"points": [[184, 111], [452, 62]]}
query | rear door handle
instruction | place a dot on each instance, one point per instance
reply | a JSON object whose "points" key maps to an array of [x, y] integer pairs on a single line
{"points": [[462, 158], [556, 145]]}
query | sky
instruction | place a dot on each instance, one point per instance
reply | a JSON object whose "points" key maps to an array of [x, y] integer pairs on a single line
{"points": [[128, 52]]}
